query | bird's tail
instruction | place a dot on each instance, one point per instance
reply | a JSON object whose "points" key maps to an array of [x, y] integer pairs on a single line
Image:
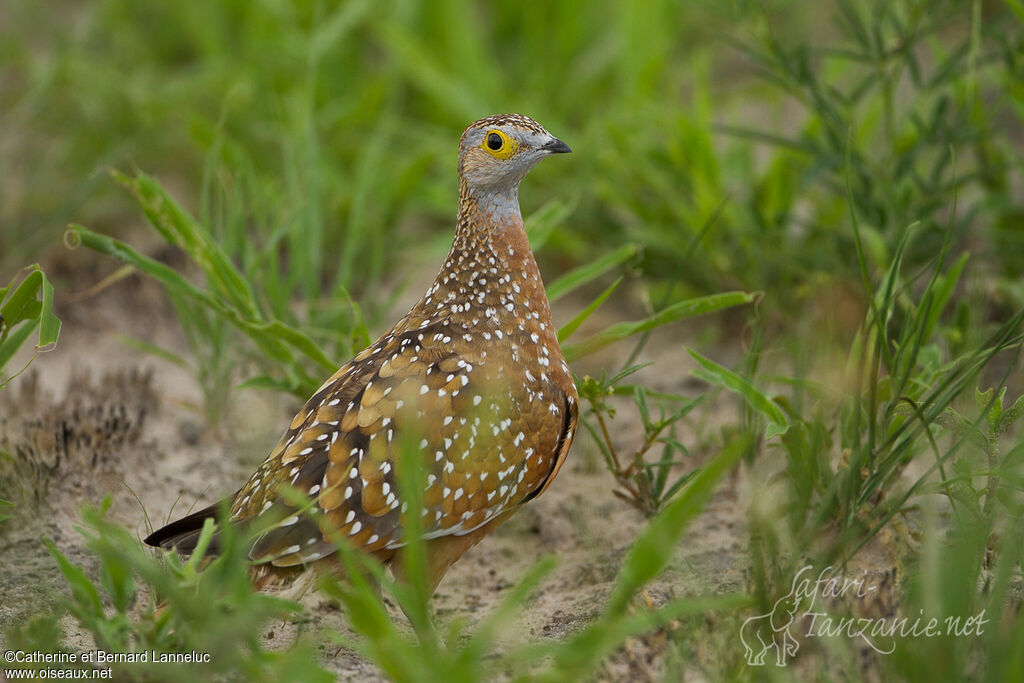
{"points": [[183, 534]]}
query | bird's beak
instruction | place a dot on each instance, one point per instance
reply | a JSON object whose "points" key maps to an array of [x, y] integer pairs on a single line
{"points": [[556, 146]]}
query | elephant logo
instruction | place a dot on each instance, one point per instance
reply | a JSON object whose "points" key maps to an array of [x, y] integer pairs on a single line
{"points": [[762, 632]]}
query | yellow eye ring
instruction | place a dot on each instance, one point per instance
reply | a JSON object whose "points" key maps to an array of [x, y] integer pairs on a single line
{"points": [[498, 144]]}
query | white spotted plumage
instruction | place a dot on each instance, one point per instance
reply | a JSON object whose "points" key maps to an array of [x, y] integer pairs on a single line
{"points": [[464, 376]]}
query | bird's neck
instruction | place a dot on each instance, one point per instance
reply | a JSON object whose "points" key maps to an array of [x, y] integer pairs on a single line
{"points": [[490, 253], [485, 209], [490, 225]]}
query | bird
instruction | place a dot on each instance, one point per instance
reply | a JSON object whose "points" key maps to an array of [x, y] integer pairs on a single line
{"points": [[472, 376]]}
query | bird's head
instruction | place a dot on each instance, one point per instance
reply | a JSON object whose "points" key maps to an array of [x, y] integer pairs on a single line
{"points": [[497, 152]]}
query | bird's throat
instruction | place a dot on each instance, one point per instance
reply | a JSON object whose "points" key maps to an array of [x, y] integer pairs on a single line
{"points": [[490, 253]]}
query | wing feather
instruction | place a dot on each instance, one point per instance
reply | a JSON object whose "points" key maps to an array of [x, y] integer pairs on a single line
{"points": [[480, 456]]}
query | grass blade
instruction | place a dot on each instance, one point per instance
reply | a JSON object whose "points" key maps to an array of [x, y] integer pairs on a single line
{"points": [[580, 276], [713, 373], [49, 324], [582, 316], [678, 311]]}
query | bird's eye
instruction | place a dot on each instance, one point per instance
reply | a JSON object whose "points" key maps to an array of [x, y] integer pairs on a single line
{"points": [[498, 144]]}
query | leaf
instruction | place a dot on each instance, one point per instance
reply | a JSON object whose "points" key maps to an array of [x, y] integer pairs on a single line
{"points": [[22, 303], [582, 316], [83, 591], [119, 583], [154, 350], [577, 277], [301, 341], [941, 294], [626, 372], [164, 274], [49, 324], [713, 373], [954, 422], [678, 311], [679, 483], [1011, 414], [991, 405], [266, 382], [179, 228], [640, 399], [541, 223], [775, 429], [22, 312], [270, 337], [14, 341]]}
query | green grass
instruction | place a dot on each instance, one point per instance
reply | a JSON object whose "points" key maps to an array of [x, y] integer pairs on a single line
{"points": [[843, 177], [26, 307], [143, 603]]}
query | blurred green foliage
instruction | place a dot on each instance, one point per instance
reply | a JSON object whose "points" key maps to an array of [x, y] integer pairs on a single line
{"points": [[858, 162], [324, 133]]}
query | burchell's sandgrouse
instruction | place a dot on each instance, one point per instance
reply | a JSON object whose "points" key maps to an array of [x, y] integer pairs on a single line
{"points": [[473, 372]]}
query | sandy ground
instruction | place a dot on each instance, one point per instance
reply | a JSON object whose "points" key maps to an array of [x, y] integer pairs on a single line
{"points": [[96, 418]]}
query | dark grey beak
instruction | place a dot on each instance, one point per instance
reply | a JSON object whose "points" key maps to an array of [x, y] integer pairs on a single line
{"points": [[556, 146]]}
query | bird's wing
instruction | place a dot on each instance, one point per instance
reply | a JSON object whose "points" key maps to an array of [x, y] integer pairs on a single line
{"points": [[571, 417], [485, 447]]}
